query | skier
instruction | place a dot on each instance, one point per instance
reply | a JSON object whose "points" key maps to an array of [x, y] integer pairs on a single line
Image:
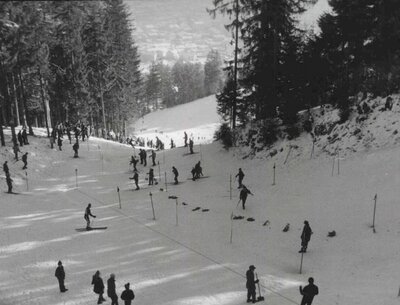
{"points": [[185, 137], [127, 295], [153, 157], [305, 237], [308, 292], [141, 155], [176, 174], [151, 176], [240, 176], [25, 160], [88, 213], [172, 144], [144, 158], [136, 179], [191, 146], [193, 171], [60, 275], [25, 136], [6, 169], [198, 169], [243, 195], [98, 287], [75, 147], [251, 285], [111, 290], [59, 143], [16, 151], [20, 140], [134, 161], [9, 183]]}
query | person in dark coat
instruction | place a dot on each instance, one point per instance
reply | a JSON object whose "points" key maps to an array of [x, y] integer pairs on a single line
{"points": [[16, 151], [20, 140], [88, 213], [199, 170], [305, 237], [191, 146], [134, 161], [5, 168], [240, 176], [59, 143], [112, 294], [176, 174], [141, 155], [60, 275], [136, 179], [308, 292], [25, 160], [9, 183], [172, 144], [251, 285], [25, 136], [153, 157], [75, 147], [243, 195], [69, 134], [144, 158], [127, 295], [151, 176], [193, 171], [98, 286], [185, 138]]}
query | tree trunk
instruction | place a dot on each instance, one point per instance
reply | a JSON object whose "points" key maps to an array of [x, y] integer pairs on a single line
{"points": [[27, 116], [3, 142], [15, 100], [45, 104]]}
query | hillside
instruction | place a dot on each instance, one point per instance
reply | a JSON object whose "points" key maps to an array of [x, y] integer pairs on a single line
{"points": [[189, 259]]}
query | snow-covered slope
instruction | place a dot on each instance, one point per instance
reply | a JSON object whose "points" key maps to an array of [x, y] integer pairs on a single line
{"points": [[189, 259]]}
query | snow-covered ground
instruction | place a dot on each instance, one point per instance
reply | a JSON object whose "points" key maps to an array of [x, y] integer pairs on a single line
{"points": [[192, 262]]}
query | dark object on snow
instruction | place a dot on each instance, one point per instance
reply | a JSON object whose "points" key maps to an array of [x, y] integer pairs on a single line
{"points": [[25, 160], [286, 228], [172, 197], [196, 209], [9, 183], [191, 146], [237, 217], [308, 292], [60, 275], [266, 223], [240, 176], [243, 195], [184, 203], [205, 210], [88, 213], [250, 219], [176, 174], [332, 233], [75, 147], [111, 293], [161, 189]]}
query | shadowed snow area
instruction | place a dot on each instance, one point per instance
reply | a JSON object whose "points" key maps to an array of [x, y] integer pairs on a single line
{"points": [[184, 256]]}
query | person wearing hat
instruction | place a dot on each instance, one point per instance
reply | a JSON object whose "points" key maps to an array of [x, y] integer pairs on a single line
{"points": [[6, 169], [308, 292], [111, 290], [127, 295], [98, 286], [251, 285], [60, 275], [305, 237]]}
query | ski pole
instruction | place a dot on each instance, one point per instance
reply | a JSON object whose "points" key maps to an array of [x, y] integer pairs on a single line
{"points": [[238, 203], [119, 197], [76, 177], [231, 227], [176, 200], [26, 174], [152, 206], [373, 220], [301, 262], [290, 149]]}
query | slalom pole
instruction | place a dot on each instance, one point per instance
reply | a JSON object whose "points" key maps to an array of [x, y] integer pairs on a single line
{"points": [[26, 175], [301, 262], [230, 187], [76, 177], [152, 206], [338, 163], [373, 219], [176, 200], [231, 228], [119, 197], [165, 177], [290, 149], [273, 183]]}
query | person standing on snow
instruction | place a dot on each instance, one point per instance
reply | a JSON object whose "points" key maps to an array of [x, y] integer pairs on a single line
{"points": [[151, 176], [98, 286], [60, 275], [176, 174], [75, 147], [88, 213], [240, 176], [243, 195], [251, 285], [134, 161], [185, 138], [191, 146], [5, 168], [136, 179], [20, 140], [9, 183], [59, 143], [112, 294], [308, 292], [25, 136], [305, 237], [127, 295], [25, 160], [153, 157]]}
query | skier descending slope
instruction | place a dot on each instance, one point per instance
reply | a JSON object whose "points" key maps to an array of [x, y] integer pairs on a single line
{"points": [[243, 195], [88, 213], [240, 176]]}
